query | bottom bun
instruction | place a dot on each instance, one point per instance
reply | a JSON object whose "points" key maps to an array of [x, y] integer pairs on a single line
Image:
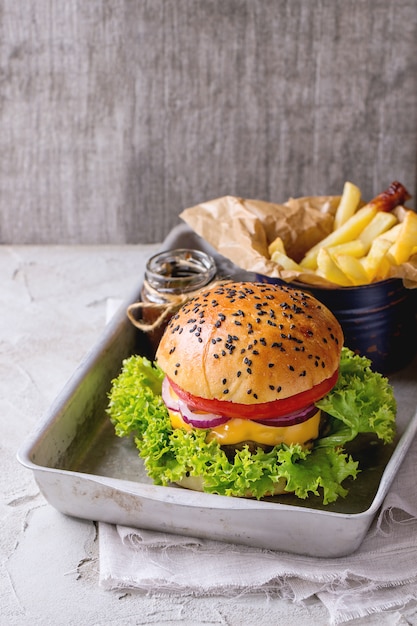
{"points": [[195, 483]]}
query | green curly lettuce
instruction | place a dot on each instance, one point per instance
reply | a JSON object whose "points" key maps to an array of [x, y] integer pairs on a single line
{"points": [[361, 402]]}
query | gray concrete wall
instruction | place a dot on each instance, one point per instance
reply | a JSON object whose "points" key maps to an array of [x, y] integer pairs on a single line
{"points": [[117, 114]]}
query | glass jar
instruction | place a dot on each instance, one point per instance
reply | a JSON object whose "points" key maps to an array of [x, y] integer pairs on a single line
{"points": [[171, 277]]}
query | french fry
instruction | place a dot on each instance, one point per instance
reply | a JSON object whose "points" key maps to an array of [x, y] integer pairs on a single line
{"points": [[373, 262], [276, 245], [366, 242], [400, 251], [327, 268], [391, 234], [348, 204], [352, 248], [352, 268], [383, 269], [379, 224], [285, 262], [349, 231]]}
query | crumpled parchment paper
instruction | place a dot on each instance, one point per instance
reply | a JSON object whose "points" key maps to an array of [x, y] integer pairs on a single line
{"points": [[241, 230]]}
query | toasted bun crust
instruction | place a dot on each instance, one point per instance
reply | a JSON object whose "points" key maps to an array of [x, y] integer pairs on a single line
{"points": [[250, 343]]}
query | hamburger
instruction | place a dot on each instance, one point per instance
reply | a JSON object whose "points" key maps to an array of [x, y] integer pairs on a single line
{"points": [[252, 394]]}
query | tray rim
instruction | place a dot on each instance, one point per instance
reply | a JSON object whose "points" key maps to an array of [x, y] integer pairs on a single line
{"points": [[156, 491]]}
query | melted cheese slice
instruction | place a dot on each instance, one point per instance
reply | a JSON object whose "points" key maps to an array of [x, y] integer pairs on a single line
{"points": [[237, 430]]}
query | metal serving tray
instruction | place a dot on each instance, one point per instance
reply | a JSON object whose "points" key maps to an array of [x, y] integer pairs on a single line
{"points": [[85, 471]]}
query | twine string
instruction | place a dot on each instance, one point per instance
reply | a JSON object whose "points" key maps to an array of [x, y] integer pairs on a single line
{"points": [[172, 303]]}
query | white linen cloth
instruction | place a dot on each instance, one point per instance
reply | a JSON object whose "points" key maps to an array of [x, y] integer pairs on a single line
{"points": [[380, 575]]}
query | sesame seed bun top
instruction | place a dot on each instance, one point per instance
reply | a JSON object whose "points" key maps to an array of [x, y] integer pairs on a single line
{"points": [[250, 343]]}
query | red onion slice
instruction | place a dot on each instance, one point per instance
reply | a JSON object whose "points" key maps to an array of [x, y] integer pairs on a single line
{"points": [[171, 402], [201, 420], [211, 420], [297, 417]]}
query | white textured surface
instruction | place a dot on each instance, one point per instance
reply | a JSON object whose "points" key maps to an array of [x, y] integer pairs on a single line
{"points": [[53, 306]]}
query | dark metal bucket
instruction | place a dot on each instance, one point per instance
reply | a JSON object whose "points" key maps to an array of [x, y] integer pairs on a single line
{"points": [[379, 320]]}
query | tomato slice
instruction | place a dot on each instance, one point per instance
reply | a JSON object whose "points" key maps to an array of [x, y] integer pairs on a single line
{"points": [[262, 411]]}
